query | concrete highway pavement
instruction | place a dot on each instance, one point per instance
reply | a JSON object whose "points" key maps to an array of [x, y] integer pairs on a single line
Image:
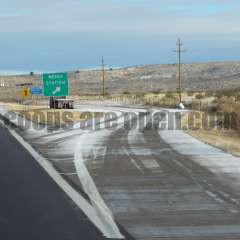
{"points": [[154, 190], [156, 193], [32, 206]]}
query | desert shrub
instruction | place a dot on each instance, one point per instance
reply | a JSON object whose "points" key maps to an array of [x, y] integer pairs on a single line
{"points": [[219, 95], [107, 94], [215, 101], [229, 94], [155, 91], [169, 95], [168, 102], [190, 94], [209, 94], [199, 96], [237, 98], [139, 94]]}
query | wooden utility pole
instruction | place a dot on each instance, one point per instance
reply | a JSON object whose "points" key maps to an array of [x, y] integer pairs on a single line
{"points": [[76, 83], [179, 51], [103, 77]]}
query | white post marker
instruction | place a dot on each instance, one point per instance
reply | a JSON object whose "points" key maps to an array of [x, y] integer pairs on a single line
{"points": [[181, 106]]}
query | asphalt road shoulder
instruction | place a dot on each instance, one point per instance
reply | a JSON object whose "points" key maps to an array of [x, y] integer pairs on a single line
{"points": [[32, 205]]}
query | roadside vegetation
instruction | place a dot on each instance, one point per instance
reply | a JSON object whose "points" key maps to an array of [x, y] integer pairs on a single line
{"points": [[226, 132], [204, 102], [221, 108], [51, 117]]}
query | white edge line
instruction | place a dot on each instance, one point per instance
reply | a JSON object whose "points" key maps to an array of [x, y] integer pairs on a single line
{"points": [[133, 161], [81, 202], [90, 188]]}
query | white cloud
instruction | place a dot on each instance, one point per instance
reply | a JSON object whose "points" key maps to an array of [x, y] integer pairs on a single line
{"points": [[43, 29], [109, 17]]}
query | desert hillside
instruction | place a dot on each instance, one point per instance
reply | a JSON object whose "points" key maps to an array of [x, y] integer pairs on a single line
{"points": [[147, 78]]}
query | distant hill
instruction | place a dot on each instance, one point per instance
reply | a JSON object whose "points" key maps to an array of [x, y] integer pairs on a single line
{"points": [[149, 78], [153, 78]]}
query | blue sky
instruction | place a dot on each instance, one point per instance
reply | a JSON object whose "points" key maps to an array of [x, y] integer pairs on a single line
{"points": [[57, 35]]}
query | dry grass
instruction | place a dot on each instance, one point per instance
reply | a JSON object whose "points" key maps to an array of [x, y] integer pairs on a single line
{"points": [[228, 105], [228, 141], [20, 107], [51, 117]]}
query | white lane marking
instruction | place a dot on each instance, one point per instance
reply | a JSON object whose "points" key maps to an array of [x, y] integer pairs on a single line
{"points": [[104, 219], [68, 174], [81, 202], [152, 165], [136, 165], [214, 196], [108, 224], [234, 211], [133, 161], [182, 166], [215, 160], [135, 137]]}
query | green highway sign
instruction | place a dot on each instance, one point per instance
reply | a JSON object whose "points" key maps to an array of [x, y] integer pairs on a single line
{"points": [[55, 84]]}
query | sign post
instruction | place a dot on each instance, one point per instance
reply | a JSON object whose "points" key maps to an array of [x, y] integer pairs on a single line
{"points": [[36, 92], [25, 94], [55, 84]]}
